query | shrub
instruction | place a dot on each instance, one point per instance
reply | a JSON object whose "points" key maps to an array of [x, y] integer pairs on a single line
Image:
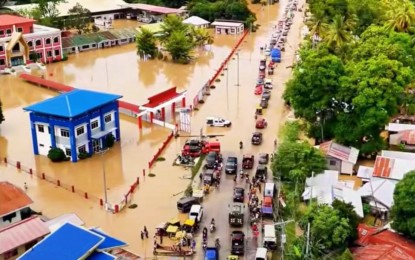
{"points": [[160, 55], [83, 155], [160, 159], [109, 141], [56, 155], [189, 191]]}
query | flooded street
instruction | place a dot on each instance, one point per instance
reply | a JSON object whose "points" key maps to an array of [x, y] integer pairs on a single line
{"points": [[136, 80]]}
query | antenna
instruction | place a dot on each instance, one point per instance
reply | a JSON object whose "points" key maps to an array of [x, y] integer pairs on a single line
{"points": [[68, 105]]}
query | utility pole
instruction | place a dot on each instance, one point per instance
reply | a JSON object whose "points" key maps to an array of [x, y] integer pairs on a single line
{"points": [[227, 86], [308, 224]]}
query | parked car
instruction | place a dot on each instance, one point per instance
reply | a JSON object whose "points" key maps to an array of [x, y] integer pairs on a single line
{"points": [[258, 89], [261, 172], [263, 158], [268, 84], [263, 103], [238, 194], [267, 52], [211, 159], [261, 123], [248, 161], [196, 213], [217, 121], [231, 166], [256, 138], [260, 81], [266, 94], [237, 243]]}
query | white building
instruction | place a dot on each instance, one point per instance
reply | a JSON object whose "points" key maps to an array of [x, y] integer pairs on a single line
{"points": [[197, 22], [228, 27]]}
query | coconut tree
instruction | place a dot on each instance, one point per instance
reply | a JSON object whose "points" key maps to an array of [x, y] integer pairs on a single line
{"points": [[339, 32], [401, 16], [201, 36], [146, 44], [317, 26], [171, 24]]}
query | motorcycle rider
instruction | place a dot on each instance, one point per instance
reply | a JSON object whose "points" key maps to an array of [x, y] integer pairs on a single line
{"points": [[212, 225]]}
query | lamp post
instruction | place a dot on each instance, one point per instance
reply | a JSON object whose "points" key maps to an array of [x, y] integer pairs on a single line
{"points": [[237, 68], [101, 151]]}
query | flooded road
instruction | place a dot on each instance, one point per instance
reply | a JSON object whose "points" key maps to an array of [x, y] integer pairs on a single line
{"points": [[156, 196]]}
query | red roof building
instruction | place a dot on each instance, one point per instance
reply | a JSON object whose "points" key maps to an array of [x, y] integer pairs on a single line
{"points": [[12, 199], [382, 244]]}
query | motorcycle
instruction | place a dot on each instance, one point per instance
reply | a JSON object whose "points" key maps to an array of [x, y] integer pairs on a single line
{"points": [[212, 228], [204, 245]]}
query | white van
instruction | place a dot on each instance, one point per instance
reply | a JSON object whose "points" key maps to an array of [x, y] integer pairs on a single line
{"points": [[270, 190], [196, 213], [270, 240], [261, 253]]}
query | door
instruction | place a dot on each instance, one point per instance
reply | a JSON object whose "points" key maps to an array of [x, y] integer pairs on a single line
{"points": [[95, 145]]}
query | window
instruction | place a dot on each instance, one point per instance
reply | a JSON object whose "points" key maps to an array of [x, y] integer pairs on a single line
{"points": [[94, 124], [2, 62], [108, 118], [68, 152], [40, 129], [16, 47], [10, 254], [1, 32], [38, 42], [85, 46], [56, 39], [30, 43], [82, 149], [64, 133], [19, 29], [49, 53], [80, 131], [332, 163], [48, 41], [9, 31], [40, 55], [41, 145], [57, 52]]}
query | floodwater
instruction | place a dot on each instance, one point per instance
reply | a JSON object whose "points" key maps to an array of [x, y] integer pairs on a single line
{"points": [[136, 80]]}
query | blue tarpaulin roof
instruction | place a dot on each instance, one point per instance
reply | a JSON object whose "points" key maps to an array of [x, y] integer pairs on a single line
{"points": [[210, 254], [109, 241], [73, 103], [100, 256], [69, 242]]}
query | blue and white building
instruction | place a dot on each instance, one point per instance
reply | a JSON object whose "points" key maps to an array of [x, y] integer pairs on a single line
{"points": [[77, 121]]}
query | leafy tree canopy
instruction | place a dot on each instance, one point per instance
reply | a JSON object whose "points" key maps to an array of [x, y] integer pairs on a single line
{"points": [[146, 44], [346, 210], [79, 18], [180, 46], [296, 161], [403, 209], [329, 230]]}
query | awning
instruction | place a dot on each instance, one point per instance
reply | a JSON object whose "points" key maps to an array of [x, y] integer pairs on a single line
{"points": [[102, 133], [172, 229], [189, 222]]}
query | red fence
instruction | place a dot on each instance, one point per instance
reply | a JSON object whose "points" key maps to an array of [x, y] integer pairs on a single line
{"points": [[203, 90], [159, 151]]}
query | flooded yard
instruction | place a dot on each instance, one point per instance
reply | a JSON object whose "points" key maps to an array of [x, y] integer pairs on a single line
{"points": [[117, 70]]}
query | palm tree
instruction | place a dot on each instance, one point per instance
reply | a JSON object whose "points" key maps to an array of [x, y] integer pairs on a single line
{"points": [[317, 26], [401, 16], [146, 44], [339, 32], [172, 23], [201, 36]]}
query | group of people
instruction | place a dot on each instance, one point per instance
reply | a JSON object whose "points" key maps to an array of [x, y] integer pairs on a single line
{"points": [[144, 233]]}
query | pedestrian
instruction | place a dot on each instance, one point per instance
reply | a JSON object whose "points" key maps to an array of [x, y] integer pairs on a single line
{"points": [[142, 235], [25, 186], [275, 142], [145, 231], [234, 179], [193, 244], [161, 239]]}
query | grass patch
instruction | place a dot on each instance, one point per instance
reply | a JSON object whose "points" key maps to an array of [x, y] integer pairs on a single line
{"points": [[160, 159], [151, 175], [198, 165], [290, 232]]}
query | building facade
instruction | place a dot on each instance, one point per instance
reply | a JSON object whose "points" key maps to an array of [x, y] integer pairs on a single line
{"points": [[23, 42], [76, 122]]}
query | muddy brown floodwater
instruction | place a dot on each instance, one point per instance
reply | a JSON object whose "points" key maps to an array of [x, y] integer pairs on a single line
{"points": [[118, 70]]}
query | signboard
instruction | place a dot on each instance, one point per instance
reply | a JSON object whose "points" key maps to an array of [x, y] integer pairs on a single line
{"points": [[185, 120]]}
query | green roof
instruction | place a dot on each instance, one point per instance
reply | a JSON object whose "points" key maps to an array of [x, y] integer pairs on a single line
{"points": [[91, 38], [152, 27]]}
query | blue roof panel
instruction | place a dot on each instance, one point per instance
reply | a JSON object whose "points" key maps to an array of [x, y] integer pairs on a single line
{"points": [[69, 242], [73, 103], [100, 256], [109, 242]]}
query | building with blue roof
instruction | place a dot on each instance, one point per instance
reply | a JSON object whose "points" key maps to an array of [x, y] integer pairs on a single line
{"points": [[78, 121], [72, 242]]}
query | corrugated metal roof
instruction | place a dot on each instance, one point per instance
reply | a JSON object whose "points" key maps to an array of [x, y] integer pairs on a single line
{"points": [[22, 232], [12, 198], [91, 38], [124, 33], [408, 136], [348, 154]]}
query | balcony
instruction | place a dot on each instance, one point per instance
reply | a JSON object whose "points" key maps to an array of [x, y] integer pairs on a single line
{"points": [[82, 138], [63, 140]]}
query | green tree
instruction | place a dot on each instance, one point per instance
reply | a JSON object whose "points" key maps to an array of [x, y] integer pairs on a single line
{"points": [[346, 255], [339, 32], [295, 161], [368, 13], [400, 16], [171, 24], [403, 210], [327, 9], [328, 229], [347, 211], [180, 46], [146, 44], [49, 14], [79, 18], [309, 91], [1, 113], [201, 36]]}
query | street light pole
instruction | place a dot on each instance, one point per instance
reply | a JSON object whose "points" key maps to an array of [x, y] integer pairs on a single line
{"points": [[104, 176], [237, 68]]}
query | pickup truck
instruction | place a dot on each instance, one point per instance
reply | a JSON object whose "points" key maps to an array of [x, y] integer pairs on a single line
{"points": [[214, 121]]}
